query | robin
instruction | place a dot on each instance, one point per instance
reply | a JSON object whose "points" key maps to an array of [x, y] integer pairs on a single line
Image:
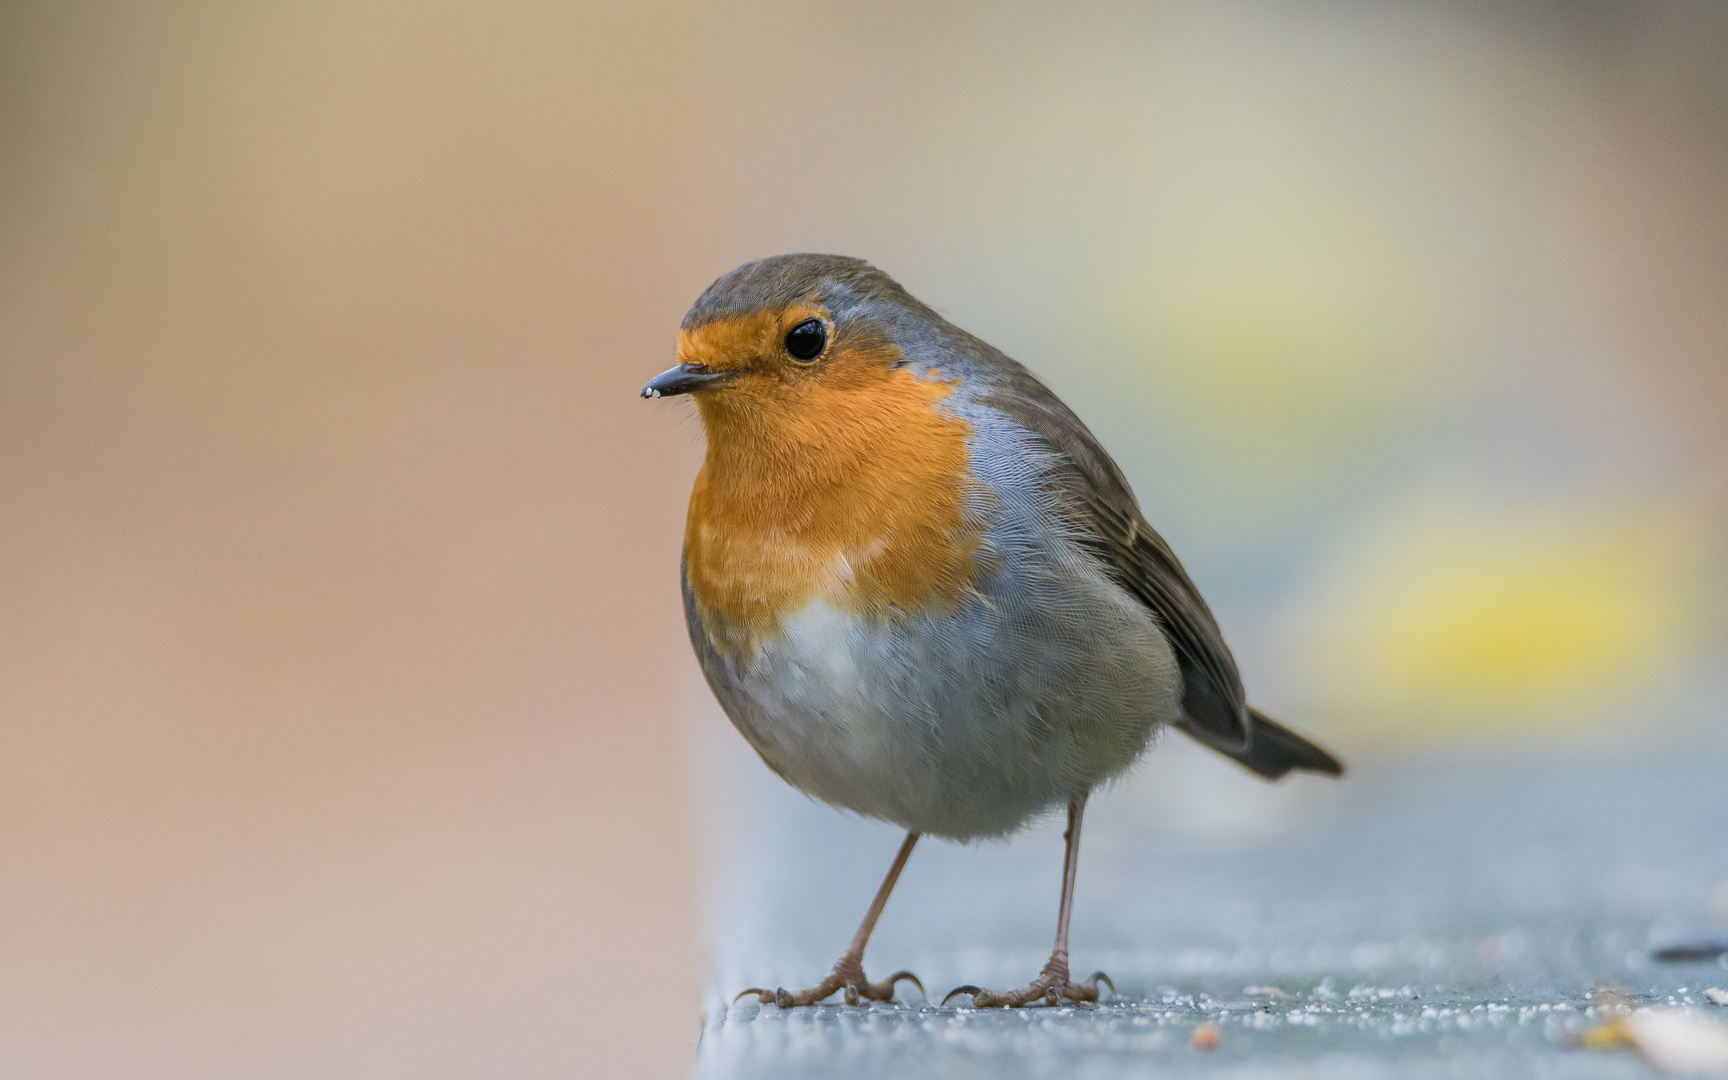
{"points": [[920, 588]]}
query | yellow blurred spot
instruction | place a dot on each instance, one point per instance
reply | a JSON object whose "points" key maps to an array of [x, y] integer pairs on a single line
{"points": [[1613, 1035], [1673, 1040], [1449, 616], [1529, 626]]}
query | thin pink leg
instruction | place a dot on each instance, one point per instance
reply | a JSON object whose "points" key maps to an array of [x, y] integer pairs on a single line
{"points": [[1052, 983], [848, 973]]}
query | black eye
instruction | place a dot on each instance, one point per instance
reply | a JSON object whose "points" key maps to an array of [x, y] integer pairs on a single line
{"points": [[807, 340]]}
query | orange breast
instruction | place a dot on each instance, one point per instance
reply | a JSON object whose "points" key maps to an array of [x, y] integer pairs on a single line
{"points": [[854, 490]]}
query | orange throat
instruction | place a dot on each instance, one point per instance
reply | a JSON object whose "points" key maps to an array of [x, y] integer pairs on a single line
{"points": [[858, 496]]}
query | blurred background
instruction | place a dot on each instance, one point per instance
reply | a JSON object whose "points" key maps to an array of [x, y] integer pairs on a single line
{"points": [[347, 723]]}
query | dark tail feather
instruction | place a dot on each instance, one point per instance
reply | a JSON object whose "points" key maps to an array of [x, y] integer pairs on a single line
{"points": [[1275, 750]]}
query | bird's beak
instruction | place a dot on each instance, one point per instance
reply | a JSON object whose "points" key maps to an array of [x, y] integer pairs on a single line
{"points": [[684, 378]]}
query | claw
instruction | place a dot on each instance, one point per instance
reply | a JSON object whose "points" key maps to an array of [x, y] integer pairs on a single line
{"points": [[892, 980], [1086, 991], [958, 990], [1050, 987], [849, 979]]}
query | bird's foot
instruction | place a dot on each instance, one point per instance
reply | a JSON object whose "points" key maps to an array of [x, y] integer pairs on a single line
{"points": [[1051, 986], [848, 975]]}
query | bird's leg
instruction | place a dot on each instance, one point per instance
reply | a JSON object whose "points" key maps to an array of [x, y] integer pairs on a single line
{"points": [[848, 973], [1052, 984]]}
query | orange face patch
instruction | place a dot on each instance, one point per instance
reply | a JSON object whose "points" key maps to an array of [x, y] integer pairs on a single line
{"points": [[845, 481], [750, 341]]}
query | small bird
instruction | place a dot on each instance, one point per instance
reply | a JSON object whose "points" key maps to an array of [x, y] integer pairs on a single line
{"points": [[920, 588]]}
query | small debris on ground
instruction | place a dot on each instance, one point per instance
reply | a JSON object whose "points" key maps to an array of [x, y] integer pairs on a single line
{"points": [[1606, 997], [1717, 995], [1690, 952], [1673, 1040], [1205, 1037]]}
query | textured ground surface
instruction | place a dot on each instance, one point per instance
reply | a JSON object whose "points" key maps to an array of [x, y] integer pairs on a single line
{"points": [[1428, 918]]}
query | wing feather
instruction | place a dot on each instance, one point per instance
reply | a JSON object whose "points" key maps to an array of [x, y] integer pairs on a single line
{"points": [[1108, 520]]}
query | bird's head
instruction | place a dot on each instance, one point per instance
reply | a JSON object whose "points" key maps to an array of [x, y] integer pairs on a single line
{"points": [[784, 348], [836, 465]]}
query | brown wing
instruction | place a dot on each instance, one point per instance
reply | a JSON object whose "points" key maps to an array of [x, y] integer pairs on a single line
{"points": [[1214, 704], [1214, 709]]}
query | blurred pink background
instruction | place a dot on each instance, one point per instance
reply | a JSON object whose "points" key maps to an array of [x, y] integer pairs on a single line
{"points": [[347, 721]]}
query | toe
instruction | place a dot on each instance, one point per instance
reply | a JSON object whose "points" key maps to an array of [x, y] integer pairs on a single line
{"points": [[975, 991], [1091, 985], [884, 990], [1088, 990]]}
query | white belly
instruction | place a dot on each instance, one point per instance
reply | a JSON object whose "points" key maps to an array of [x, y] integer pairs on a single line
{"points": [[963, 724]]}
